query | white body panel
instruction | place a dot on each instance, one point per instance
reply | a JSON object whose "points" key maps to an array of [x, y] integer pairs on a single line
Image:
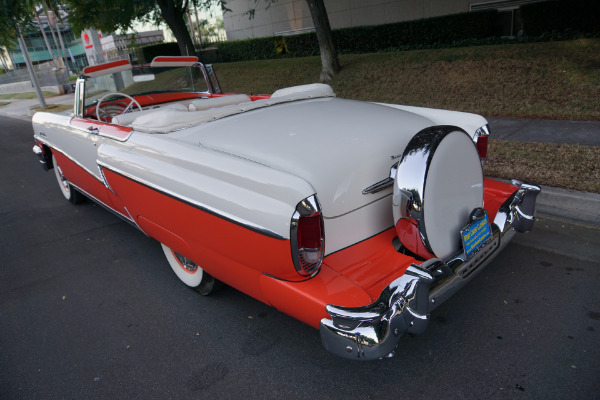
{"points": [[340, 146], [467, 121], [254, 167], [78, 144], [246, 192]]}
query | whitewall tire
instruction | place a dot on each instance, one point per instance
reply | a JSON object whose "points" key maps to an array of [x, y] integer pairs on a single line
{"points": [[68, 191], [190, 273]]}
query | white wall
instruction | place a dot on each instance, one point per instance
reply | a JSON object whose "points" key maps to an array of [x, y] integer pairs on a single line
{"points": [[287, 15]]}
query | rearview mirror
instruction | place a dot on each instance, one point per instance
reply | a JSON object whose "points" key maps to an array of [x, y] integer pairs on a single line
{"points": [[143, 78]]}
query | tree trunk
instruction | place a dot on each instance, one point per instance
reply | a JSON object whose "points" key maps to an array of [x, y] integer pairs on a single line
{"points": [[173, 14], [37, 17], [62, 61], [329, 58], [34, 80]]}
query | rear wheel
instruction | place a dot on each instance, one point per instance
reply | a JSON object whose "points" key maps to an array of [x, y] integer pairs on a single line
{"points": [[190, 273], [70, 193]]}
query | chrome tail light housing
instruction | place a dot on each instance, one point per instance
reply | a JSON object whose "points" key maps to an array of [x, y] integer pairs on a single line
{"points": [[307, 237], [480, 138]]}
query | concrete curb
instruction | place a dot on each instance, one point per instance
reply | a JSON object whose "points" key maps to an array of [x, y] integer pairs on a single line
{"points": [[569, 204], [573, 205]]}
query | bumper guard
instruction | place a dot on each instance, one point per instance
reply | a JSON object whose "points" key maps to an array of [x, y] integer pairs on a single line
{"points": [[372, 332]]}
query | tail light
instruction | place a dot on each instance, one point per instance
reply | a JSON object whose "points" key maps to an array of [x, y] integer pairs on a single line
{"points": [[481, 142], [482, 146], [307, 236]]}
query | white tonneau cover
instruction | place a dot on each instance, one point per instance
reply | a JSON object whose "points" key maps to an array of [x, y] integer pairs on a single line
{"points": [[169, 119]]}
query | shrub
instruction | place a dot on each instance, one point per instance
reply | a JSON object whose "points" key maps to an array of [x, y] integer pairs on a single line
{"points": [[561, 18], [147, 53], [429, 32]]}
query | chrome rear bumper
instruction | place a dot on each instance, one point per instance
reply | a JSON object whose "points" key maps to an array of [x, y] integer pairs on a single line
{"points": [[372, 332]]}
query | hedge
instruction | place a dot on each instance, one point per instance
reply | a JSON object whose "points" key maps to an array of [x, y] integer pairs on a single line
{"points": [[147, 53], [561, 18], [437, 31], [554, 19]]}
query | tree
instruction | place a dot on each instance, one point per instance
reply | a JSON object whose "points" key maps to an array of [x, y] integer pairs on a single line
{"points": [[113, 15], [329, 59], [14, 16]]}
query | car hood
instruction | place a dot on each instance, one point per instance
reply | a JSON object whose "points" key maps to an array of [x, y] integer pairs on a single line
{"points": [[339, 146]]}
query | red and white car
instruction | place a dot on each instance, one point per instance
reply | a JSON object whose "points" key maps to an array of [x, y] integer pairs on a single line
{"points": [[353, 217]]}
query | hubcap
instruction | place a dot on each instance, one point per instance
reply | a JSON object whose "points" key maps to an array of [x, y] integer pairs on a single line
{"points": [[186, 263], [64, 182]]}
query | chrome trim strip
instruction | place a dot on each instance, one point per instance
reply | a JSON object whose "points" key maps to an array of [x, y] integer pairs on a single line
{"points": [[95, 132], [106, 206], [203, 207], [104, 179], [383, 184], [372, 332]]}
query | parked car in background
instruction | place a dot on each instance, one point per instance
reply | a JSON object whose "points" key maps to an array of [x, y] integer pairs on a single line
{"points": [[356, 218]]}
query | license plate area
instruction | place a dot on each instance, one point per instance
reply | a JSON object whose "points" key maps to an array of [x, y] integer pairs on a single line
{"points": [[476, 233]]}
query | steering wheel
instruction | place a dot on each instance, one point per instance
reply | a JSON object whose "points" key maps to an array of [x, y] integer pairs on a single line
{"points": [[116, 107]]}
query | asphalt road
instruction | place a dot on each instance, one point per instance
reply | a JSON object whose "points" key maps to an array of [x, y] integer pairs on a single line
{"points": [[89, 309]]}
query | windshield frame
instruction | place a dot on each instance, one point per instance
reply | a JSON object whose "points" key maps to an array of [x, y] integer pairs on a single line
{"points": [[84, 102]]}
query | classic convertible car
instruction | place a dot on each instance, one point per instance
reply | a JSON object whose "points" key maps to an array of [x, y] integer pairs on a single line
{"points": [[357, 218]]}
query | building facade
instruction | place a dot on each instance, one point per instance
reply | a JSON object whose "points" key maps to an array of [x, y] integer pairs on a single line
{"points": [[284, 17], [56, 30]]}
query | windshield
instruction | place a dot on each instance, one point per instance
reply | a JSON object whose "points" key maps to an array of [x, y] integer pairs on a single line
{"points": [[186, 82]]}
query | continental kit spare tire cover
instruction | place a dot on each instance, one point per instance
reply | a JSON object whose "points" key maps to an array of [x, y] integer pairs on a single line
{"points": [[439, 181]]}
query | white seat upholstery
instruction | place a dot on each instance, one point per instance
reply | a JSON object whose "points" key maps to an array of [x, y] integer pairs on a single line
{"points": [[205, 104], [169, 120], [126, 119]]}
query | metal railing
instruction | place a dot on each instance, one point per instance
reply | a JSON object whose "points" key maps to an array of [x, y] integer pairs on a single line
{"points": [[46, 73]]}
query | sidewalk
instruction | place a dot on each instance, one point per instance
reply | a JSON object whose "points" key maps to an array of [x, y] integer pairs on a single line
{"points": [[20, 108], [586, 133], [562, 203]]}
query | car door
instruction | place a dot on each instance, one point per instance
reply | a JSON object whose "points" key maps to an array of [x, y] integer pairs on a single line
{"points": [[86, 137]]}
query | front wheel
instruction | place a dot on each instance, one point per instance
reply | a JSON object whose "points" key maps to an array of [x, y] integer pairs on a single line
{"points": [[66, 188], [190, 273]]}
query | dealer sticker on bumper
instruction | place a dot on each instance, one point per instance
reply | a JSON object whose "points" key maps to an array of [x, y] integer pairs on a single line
{"points": [[476, 232]]}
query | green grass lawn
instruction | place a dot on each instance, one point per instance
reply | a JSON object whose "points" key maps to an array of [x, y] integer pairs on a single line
{"points": [[552, 80], [25, 95], [53, 108]]}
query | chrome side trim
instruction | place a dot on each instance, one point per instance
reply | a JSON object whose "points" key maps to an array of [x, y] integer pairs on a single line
{"points": [[106, 206], [203, 207], [94, 131], [104, 179], [372, 332], [383, 184]]}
